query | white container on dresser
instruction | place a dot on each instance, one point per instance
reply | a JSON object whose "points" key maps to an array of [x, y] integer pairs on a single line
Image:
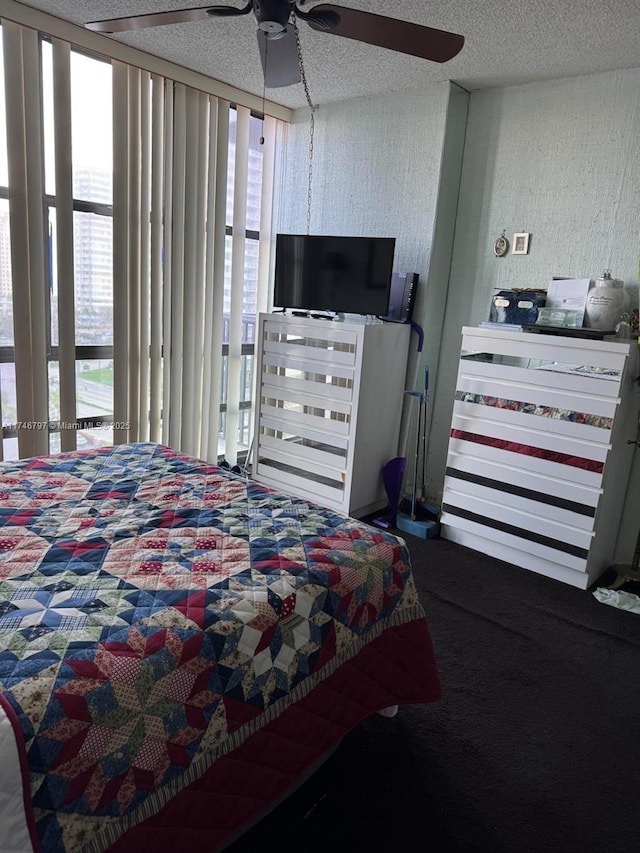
{"points": [[329, 396], [538, 459]]}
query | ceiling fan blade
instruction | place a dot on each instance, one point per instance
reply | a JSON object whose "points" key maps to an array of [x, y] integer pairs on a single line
{"points": [[226, 11], [157, 19], [279, 59], [401, 36]]}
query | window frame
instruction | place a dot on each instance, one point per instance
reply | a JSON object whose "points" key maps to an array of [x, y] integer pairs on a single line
{"points": [[85, 352]]}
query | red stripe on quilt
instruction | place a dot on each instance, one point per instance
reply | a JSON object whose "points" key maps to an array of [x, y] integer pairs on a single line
{"points": [[24, 772], [529, 450]]}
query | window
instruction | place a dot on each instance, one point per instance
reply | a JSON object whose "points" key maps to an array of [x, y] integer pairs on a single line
{"points": [[92, 169], [249, 302], [83, 350]]}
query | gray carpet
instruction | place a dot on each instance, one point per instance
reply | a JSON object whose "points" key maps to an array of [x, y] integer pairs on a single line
{"points": [[535, 745]]}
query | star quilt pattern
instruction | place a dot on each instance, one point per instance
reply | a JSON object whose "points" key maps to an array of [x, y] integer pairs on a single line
{"points": [[155, 610]]}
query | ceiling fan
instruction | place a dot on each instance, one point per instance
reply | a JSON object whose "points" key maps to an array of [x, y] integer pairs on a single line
{"points": [[277, 38]]}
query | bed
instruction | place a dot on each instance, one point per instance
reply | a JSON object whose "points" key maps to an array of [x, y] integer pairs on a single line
{"points": [[180, 646]]}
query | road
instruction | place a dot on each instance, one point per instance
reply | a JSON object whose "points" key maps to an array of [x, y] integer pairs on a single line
{"points": [[93, 399]]}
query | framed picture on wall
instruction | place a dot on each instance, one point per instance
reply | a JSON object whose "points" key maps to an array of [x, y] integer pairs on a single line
{"points": [[520, 244], [501, 246]]}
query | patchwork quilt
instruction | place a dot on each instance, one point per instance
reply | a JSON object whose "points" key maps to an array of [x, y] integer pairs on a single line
{"points": [[155, 611]]}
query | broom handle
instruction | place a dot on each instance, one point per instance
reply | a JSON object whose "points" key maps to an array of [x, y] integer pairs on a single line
{"points": [[415, 464], [424, 435]]}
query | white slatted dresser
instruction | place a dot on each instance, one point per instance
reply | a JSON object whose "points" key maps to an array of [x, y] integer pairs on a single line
{"points": [[538, 459], [329, 397]]}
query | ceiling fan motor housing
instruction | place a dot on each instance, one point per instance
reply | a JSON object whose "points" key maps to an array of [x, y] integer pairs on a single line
{"points": [[272, 15]]}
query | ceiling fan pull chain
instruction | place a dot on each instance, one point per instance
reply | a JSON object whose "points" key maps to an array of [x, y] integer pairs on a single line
{"points": [[313, 109], [264, 87]]}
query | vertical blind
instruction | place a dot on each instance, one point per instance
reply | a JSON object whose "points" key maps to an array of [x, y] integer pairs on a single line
{"points": [[170, 186], [171, 168], [64, 241], [26, 211]]}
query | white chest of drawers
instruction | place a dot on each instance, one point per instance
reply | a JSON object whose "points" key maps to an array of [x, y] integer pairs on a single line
{"points": [[328, 402], [538, 459]]}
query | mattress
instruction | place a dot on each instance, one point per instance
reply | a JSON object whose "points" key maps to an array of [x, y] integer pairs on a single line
{"points": [[179, 646]]}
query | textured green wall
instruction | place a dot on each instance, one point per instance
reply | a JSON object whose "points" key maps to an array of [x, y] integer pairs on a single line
{"points": [[559, 159]]}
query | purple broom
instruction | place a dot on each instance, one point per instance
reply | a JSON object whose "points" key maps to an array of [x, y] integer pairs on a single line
{"points": [[392, 477]]}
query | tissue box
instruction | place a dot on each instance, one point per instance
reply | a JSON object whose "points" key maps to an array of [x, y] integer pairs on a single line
{"points": [[519, 307]]}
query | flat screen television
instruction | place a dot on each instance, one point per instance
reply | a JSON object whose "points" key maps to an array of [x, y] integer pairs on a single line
{"points": [[350, 275]]}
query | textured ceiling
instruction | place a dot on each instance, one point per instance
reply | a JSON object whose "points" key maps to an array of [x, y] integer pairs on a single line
{"points": [[507, 43]]}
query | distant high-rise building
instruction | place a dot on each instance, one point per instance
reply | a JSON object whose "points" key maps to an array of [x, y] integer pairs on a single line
{"points": [[93, 258]]}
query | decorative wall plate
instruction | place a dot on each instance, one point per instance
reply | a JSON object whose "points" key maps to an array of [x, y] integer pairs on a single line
{"points": [[501, 246]]}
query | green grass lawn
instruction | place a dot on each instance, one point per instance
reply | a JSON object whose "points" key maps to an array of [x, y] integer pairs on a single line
{"points": [[101, 375]]}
